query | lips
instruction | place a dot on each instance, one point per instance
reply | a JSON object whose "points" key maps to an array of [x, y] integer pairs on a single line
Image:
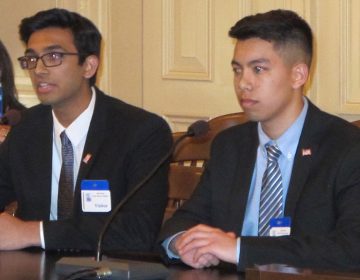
{"points": [[44, 87], [247, 103]]}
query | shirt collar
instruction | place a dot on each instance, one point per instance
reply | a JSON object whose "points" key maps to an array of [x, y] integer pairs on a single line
{"points": [[76, 130], [289, 140]]}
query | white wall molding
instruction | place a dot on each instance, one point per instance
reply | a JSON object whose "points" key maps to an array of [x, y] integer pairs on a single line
{"points": [[182, 122]]}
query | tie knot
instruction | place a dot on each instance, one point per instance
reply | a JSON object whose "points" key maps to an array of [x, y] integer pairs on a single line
{"points": [[64, 139], [273, 152]]}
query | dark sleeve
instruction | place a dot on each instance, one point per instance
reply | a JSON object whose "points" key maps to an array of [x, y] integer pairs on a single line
{"points": [[210, 202], [7, 193], [137, 224], [198, 209], [339, 247]]}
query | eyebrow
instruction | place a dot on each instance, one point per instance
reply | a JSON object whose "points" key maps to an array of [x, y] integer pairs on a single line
{"points": [[252, 62], [47, 49], [234, 62]]}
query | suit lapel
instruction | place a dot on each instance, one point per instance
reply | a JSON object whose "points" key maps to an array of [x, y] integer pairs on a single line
{"points": [[307, 148], [94, 139], [244, 172]]}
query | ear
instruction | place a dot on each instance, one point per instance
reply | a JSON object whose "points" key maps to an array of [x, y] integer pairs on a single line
{"points": [[90, 66], [299, 75]]}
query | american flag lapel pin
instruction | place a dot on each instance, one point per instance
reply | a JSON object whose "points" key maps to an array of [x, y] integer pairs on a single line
{"points": [[306, 152], [87, 158]]}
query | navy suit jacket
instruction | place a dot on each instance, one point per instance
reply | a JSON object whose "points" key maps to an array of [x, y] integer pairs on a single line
{"points": [[323, 199], [125, 143]]}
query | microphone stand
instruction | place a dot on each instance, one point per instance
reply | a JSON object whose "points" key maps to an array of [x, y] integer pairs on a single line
{"points": [[131, 194]]}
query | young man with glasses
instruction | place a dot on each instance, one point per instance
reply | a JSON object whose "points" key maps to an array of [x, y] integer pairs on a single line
{"points": [[73, 157]]}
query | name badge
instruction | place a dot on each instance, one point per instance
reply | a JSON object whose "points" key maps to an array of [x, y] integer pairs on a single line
{"points": [[95, 196], [280, 226]]}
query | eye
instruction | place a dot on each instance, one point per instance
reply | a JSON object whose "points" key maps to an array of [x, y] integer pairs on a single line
{"points": [[258, 69], [54, 56], [237, 70], [31, 58]]}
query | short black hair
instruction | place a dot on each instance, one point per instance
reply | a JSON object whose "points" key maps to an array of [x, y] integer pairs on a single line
{"points": [[280, 27], [87, 38]]}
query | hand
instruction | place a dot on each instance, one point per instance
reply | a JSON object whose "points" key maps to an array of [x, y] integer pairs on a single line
{"points": [[18, 234], [206, 260], [203, 246]]}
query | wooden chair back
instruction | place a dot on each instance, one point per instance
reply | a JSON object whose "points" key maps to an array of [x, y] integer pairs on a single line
{"points": [[357, 123], [188, 160]]}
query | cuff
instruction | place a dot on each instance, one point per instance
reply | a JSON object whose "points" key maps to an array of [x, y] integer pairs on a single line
{"points": [[238, 249], [42, 239], [166, 244]]}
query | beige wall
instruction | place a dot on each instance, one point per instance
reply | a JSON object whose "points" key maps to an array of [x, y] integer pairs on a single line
{"points": [[11, 13], [120, 22], [173, 56]]}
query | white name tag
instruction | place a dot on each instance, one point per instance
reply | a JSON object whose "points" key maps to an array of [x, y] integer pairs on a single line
{"points": [[279, 231], [95, 196]]}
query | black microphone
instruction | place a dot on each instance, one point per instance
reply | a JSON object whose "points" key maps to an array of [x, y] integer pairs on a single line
{"points": [[11, 117], [71, 265], [198, 128]]}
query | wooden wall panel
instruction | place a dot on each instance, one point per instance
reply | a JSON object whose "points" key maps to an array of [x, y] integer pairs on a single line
{"points": [[187, 44], [350, 57]]}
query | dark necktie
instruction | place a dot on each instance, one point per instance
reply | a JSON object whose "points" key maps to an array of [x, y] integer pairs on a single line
{"points": [[271, 198], [66, 192]]}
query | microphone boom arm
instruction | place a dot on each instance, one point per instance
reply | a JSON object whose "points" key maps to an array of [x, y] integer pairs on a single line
{"points": [[132, 193]]}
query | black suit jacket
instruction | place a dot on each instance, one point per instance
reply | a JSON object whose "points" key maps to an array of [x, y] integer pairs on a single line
{"points": [[125, 143], [323, 199]]}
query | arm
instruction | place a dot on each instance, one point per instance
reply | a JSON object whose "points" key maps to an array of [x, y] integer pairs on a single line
{"points": [[194, 211], [201, 245]]}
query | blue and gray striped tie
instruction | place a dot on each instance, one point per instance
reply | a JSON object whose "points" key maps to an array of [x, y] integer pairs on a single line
{"points": [[271, 198]]}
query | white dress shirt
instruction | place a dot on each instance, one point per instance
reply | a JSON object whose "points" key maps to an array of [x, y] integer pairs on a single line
{"points": [[77, 133]]}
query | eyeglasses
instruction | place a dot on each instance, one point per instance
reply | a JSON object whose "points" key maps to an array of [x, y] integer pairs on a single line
{"points": [[50, 59]]}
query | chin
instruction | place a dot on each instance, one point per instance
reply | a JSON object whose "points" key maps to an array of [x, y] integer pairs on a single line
{"points": [[252, 116], [45, 102]]}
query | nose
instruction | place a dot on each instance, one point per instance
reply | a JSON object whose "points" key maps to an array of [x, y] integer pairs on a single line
{"points": [[243, 81], [40, 67]]}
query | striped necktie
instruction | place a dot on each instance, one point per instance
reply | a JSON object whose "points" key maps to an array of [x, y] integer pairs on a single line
{"points": [[66, 192], [271, 198]]}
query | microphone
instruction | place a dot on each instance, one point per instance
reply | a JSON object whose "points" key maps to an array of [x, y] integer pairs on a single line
{"points": [[70, 265], [11, 117]]}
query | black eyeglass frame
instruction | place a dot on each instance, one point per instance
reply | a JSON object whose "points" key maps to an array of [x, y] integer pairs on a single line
{"points": [[24, 60]]}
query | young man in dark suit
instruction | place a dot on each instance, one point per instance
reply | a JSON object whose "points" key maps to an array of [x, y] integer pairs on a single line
{"points": [[113, 147], [284, 187]]}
